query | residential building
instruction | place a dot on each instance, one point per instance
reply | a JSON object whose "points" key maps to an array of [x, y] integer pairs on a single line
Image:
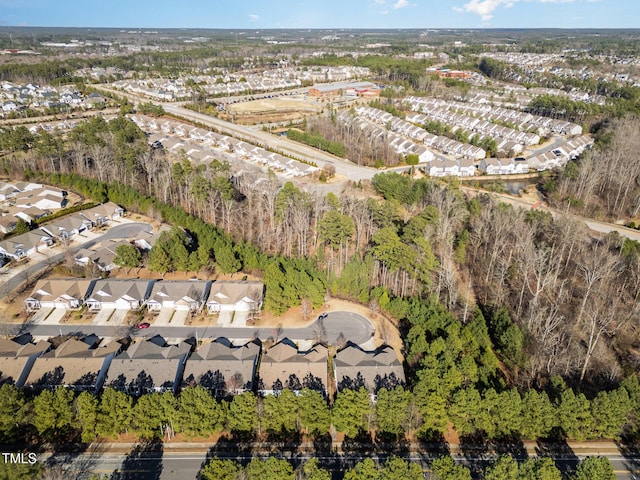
{"points": [[185, 295], [17, 359], [119, 294], [103, 213], [77, 364], [355, 368], [222, 367], [235, 296], [284, 366], [148, 366], [25, 244], [68, 294]]}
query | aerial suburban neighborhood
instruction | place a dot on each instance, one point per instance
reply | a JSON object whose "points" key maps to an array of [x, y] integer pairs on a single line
{"points": [[340, 241]]}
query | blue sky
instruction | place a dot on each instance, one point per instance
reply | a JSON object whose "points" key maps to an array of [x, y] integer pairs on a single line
{"points": [[323, 13]]}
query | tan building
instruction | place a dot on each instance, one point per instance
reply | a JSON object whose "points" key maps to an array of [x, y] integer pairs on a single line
{"points": [[77, 364], [355, 368], [284, 366]]}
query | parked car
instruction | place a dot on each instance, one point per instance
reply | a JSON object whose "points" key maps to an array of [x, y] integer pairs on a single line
{"points": [[322, 316], [143, 325]]}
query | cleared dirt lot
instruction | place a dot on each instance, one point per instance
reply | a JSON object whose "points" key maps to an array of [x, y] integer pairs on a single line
{"points": [[271, 105], [270, 110]]}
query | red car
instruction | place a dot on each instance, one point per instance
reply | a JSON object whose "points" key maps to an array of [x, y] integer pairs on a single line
{"points": [[143, 325]]}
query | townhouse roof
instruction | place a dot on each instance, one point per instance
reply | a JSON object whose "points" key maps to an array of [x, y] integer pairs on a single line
{"points": [[16, 359], [176, 291], [50, 290], [74, 362], [110, 290], [148, 364], [219, 365], [372, 369], [284, 364], [229, 293]]}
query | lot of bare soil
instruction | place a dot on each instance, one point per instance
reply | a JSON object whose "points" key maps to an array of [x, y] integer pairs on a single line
{"points": [[270, 110]]}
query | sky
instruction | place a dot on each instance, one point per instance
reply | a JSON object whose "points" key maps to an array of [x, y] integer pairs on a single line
{"points": [[261, 14]]}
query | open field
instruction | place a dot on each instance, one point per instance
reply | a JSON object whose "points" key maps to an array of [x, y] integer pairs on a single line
{"points": [[272, 110], [272, 105]]}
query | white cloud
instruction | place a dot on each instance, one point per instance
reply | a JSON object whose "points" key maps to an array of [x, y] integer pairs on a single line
{"points": [[378, 2], [401, 4], [485, 8], [253, 17]]}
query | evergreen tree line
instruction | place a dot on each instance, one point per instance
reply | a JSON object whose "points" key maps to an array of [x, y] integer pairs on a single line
{"points": [[398, 414], [317, 141]]}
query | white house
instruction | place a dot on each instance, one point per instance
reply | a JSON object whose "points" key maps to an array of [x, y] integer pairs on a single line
{"points": [[230, 296], [67, 294], [119, 294], [178, 295], [26, 244]]}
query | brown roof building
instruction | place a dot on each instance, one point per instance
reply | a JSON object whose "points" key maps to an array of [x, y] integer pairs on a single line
{"points": [[355, 368], [64, 293], [222, 367], [78, 364], [16, 360], [148, 366], [284, 366]]}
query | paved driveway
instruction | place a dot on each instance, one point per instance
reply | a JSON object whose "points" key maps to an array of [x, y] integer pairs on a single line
{"points": [[102, 317], [55, 317], [224, 319], [40, 315], [164, 317], [118, 317], [240, 319], [179, 317]]}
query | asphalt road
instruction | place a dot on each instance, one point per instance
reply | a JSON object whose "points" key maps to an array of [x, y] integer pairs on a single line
{"points": [[594, 225], [172, 465], [350, 326], [126, 230], [351, 171]]}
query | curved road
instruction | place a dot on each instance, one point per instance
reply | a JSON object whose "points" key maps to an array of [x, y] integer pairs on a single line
{"points": [[126, 230], [337, 326], [594, 225]]}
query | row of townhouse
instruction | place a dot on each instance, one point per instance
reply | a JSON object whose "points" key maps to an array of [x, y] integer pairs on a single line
{"points": [[561, 155], [208, 140], [400, 145], [504, 166], [157, 88], [441, 143], [155, 295], [240, 83], [62, 229], [220, 366], [473, 125], [14, 97], [27, 201], [461, 167], [523, 121], [102, 255]]}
